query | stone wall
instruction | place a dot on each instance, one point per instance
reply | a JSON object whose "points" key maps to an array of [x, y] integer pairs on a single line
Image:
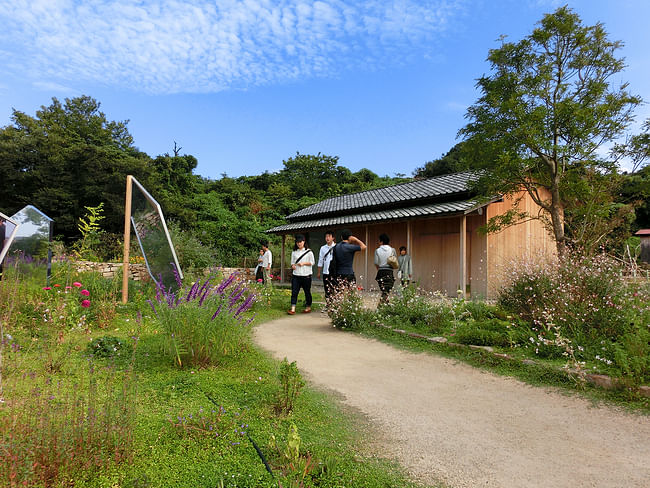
{"points": [[137, 272]]}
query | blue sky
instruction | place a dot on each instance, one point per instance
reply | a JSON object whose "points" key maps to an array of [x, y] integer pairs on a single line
{"points": [[244, 84]]}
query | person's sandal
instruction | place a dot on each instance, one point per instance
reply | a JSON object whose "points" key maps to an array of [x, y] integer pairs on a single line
{"points": [[307, 310], [291, 312]]}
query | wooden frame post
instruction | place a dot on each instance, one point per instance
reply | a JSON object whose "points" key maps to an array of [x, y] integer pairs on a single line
{"points": [[282, 257], [408, 238], [366, 280], [463, 255], [127, 239]]}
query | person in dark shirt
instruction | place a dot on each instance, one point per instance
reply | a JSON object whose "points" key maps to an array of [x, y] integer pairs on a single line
{"points": [[345, 251]]}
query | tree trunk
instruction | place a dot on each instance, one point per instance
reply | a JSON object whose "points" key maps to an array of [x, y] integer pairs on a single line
{"points": [[557, 218]]}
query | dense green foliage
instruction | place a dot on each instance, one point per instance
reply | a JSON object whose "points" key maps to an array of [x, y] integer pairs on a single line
{"points": [[69, 157], [451, 162]]}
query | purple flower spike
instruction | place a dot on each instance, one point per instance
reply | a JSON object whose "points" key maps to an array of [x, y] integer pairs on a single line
{"points": [[205, 294], [226, 283], [205, 286], [216, 314], [248, 303], [152, 307], [190, 294], [177, 276]]}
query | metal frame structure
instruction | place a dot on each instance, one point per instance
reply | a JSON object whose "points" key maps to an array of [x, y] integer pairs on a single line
{"points": [[4, 249], [128, 221]]}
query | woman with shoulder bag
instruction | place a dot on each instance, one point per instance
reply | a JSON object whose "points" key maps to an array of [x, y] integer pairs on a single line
{"points": [[302, 260]]}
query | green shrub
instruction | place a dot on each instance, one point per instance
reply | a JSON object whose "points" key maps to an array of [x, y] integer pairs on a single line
{"points": [[631, 355], [347, 311], [416, 309], [587, 296], [193, 255], [291, 383], [492, 332], [105, 347], [584, 308]]}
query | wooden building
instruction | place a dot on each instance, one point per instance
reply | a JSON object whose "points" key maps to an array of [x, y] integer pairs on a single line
{"points": [[644, 234], [437, 219]]}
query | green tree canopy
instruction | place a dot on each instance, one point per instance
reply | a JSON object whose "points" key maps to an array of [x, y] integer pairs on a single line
{"points": [[545, 111], [444, 165]]}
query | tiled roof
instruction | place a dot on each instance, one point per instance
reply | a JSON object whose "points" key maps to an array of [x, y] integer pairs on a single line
{"points": [[643, 232], [380, 215], [401, 195]]}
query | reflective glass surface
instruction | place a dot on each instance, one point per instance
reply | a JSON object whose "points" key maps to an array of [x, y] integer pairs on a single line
{"points": [[7, 228], [151, 232], [33, 235]]}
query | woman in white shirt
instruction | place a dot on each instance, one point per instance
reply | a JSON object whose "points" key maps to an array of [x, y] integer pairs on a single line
{"points": [[302, 260]]}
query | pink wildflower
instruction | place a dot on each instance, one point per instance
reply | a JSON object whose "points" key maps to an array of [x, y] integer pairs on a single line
{"points": [[47, 288], [85, 303], [77, 284], [85, 293], [68, 288]]}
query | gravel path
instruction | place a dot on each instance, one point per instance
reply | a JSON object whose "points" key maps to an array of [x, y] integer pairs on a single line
{"points": [[446, 421]]}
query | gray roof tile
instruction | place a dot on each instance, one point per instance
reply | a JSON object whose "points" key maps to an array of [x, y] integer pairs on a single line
{"points": [[411, 192], [379, 215]]}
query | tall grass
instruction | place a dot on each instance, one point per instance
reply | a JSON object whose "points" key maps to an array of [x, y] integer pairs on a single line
{"points": [[56, 425], [206, 323]]}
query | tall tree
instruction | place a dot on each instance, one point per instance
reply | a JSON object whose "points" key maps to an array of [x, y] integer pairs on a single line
{"points": [[65, 158], [545, 111]]}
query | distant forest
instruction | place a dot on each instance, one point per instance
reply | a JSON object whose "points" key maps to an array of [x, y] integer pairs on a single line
{"points": [[69, 156]]}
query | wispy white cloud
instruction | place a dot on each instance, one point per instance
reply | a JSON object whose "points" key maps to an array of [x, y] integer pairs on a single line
{"points": [[52, 87], [453, 106], [171, 46]]}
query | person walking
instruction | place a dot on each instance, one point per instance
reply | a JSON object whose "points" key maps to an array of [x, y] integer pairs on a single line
{"points": [[267, 262], [302, 260], [324, 259], [405, 269], [384, 278], [259, 270], [344, 256]]}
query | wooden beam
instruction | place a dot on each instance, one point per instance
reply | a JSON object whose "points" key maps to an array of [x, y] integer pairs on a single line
{"points": [[463, 257], [127, 239]]}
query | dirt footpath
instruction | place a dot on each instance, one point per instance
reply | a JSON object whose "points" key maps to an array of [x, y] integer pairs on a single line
{"points": [[446, 421]]}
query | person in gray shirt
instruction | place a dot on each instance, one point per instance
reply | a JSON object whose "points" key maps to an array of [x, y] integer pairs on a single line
{"points": [[405, 269], [384, 278]]}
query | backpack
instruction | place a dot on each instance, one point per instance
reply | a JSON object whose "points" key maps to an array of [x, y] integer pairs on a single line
{"points": [[333, 264]]}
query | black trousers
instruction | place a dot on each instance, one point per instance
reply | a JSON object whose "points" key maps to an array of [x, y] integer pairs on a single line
{"points": [[328, 285], [342, 281], [298, 282]]}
